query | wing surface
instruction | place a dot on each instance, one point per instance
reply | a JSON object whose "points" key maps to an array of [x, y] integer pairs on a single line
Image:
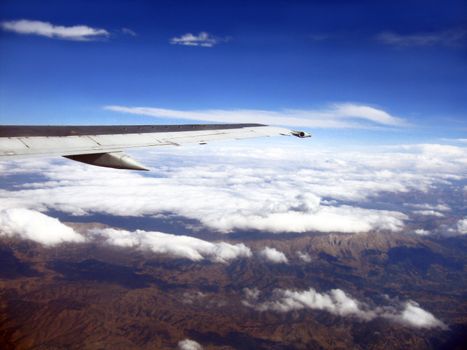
{"points": [[103, 145]]}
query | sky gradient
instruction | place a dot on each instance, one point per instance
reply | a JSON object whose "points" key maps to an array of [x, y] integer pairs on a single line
{"points": [[406, 59]]}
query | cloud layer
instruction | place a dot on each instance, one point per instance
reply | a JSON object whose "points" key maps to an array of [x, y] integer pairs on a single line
{"points": [[49, 30], [337, 302], [231, 188], [340, 115]]}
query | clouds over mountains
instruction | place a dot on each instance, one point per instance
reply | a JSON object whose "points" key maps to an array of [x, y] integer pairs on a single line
{"points": [[337, 302], [179, 246], [226, 189], [43, 229], [33, 225]]}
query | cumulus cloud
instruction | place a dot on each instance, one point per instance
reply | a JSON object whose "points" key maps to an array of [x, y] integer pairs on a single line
{"points": [[303, 256], [421, 232], [188, 344], [180, 246], [452, 37], [337, 302], [415, 316], [462, 226], [273, 255], [203, 39], [339, 115], [76, 33], [33, 225]]}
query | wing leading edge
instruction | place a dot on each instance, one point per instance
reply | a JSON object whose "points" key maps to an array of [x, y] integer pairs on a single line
{"points": [[103, 145]]}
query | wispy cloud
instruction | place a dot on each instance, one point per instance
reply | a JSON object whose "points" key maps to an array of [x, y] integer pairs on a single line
{"points": [[453, 37], [337, 302], [429, 213], [76, 33], [339, 115], [129, 32], [203, 39]]}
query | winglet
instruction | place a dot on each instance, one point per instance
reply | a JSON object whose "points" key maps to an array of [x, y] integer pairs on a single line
{"points": [[117, 160]]}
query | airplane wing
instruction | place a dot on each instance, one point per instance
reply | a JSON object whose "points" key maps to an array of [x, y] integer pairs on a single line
{"points": [[103, 145]]}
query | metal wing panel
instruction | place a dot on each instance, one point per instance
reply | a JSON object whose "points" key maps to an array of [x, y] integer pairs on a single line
{"points": [[88, 144]]}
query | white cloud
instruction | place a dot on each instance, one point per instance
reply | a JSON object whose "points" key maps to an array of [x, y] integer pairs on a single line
{"points": [[339, 115], [273, 189], [462, 226], [422, 232], [415, 316], [188, 344], [337, 302], [453, 37], [203, 39], [33, 225], [305, 257], [180, 246], [319, 218], [77, 33], [429, 213], [273, 255], [426, 206]]}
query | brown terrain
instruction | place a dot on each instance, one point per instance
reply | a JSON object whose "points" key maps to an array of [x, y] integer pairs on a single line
{"points": [[91, 296]]}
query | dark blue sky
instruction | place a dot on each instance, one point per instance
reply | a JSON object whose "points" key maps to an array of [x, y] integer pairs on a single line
{"points": [[408, 58]]}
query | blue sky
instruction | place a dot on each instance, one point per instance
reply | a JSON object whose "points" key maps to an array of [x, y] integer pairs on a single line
{"points": [[406, 58]]}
